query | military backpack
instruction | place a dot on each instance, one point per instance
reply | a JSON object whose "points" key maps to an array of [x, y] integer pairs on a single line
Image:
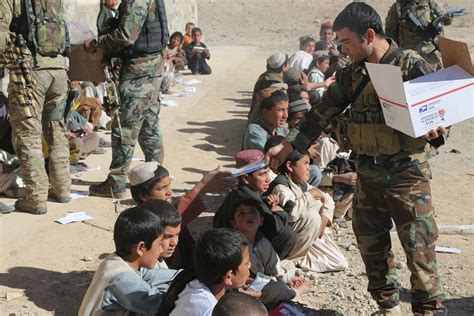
{"points": [[43, 24]]}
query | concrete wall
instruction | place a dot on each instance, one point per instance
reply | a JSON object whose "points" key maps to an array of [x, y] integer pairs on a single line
{"points": [[178, 11]]}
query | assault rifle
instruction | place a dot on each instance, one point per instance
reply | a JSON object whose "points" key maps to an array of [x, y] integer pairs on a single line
{"points": [[435, 27]]}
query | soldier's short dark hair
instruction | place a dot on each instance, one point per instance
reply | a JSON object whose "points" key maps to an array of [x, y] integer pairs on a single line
{"points": [[133, 226], [359, 17], [276, 97]]}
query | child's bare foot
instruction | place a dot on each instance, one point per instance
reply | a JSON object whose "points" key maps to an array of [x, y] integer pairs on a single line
{"points": [[300, 285]]}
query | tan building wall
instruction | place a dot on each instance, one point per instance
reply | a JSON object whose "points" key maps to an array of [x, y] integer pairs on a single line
{"points": [[178, 11]]}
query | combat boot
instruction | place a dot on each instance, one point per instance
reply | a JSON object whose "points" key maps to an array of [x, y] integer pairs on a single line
{"points": [[58, 199], [21, 205], [107, 189]]}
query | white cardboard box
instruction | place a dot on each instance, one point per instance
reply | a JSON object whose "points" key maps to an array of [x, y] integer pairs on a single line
{"points": [[442, 98]]}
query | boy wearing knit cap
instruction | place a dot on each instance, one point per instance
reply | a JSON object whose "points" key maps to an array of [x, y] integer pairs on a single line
{"points": [[296, 110], [252, 184]]}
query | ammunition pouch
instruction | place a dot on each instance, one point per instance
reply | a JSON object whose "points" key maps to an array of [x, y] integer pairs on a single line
{"points": [[379, 139]]}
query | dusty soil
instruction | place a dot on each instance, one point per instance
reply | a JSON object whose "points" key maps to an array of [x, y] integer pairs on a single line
{"points": [[46, 267]]}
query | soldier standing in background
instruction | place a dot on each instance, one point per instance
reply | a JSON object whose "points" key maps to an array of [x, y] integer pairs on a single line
{"points": [[141, 35], [403, 30], [392, 168], [37, 110]]}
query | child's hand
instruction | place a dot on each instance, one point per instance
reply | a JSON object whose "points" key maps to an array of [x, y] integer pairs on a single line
{"points": [[329, 81], [318, 194], [273, 200]]}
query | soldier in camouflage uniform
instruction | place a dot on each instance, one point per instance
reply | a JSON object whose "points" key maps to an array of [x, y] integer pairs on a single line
{"points": [[392, 167], [139, 38], [399, 27], [36, 101]]}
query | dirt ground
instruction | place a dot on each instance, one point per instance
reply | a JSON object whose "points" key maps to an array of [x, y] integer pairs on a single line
{"points": [[45, 267]]}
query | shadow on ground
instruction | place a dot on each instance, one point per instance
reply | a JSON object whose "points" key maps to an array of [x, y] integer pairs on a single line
{"points": [[53, 291]]}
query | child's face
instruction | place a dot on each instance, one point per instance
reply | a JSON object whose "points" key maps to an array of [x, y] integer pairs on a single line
{"points": [[327, 35], [258, 180], [305, 95], [247, 219], [295, 119], [196, 36], [149, 256], [309, 47], [277, 115], [174, 42], [160, 191], [323, 66], [189, 28], [243, 271], [300, 171], [170, 240]]}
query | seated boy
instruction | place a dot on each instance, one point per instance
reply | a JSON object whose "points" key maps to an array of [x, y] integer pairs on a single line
{"points": [[272, 121], [174, 53], [237, 304], [221, 263], [150, 181], [188, 29], [303, 58], [197, 53], [171, 221], [247, 217], [310, 212], [317, 73], [252, 185], [126, 281]]}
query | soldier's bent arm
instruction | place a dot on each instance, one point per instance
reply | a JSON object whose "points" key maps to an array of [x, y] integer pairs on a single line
{"points": [[391, 23], [132, 17], [335, 100]]}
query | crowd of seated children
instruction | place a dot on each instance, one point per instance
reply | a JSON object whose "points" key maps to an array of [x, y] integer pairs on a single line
{"points": [[151, 181], [303, 58], [248, 217], [197, 53], [235, 303], [253, 184], [221, 263], [310, 211], [272, 121], [126, 280]]}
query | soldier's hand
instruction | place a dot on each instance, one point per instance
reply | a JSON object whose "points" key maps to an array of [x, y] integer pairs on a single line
{"points": [[90, 45], [435, 133], [277, 154], [349, 178]]}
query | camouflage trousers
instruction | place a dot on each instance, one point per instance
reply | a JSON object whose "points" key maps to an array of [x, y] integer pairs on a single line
{"points": [[404, 196], [137, 119], [28, 128]]}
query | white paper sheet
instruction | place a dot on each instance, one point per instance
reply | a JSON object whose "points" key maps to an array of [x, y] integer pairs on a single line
{"points": [[74, 217], [191, 82]]}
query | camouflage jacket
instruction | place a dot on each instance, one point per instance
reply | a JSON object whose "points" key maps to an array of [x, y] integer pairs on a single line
{"points": [[132, 17], [403, 31], [365, 109]]}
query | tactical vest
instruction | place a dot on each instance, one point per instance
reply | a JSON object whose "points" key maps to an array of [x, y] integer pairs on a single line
{"points": [[43, 24], [153, 35], [362, 127], [409, 36]]}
